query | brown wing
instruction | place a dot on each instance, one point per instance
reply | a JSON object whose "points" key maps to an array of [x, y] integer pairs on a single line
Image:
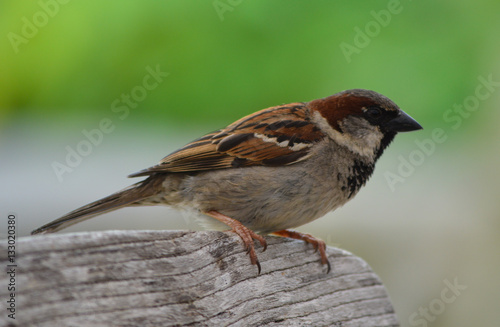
{"points": [[275, 136]]}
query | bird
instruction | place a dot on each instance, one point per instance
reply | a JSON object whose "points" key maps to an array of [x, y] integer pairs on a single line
{"points": [[271, 171]]}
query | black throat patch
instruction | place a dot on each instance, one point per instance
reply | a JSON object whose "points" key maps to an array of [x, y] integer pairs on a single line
{"points": [[359, 173]]}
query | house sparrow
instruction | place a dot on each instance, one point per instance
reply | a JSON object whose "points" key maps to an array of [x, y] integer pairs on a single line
{"points": [[275, 169]]}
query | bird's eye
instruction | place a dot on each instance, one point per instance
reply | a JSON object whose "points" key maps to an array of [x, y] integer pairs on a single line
{"points": [[374, 113]]}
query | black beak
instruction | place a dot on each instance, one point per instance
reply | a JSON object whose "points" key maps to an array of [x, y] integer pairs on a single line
{"points": [[402, 123]]}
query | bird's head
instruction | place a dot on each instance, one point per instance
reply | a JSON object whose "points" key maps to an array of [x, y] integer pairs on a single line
{"points": [[364, 121]]}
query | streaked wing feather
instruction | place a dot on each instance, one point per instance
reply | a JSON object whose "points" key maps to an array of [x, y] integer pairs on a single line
{"points": [[257, 139]]}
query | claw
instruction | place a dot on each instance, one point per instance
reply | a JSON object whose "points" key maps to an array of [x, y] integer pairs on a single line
{"points": [[264, 246], [317, 244], [258, 267], [247, 235]]}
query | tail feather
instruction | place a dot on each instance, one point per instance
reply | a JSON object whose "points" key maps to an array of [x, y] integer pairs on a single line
{"points": [[132, 194]]}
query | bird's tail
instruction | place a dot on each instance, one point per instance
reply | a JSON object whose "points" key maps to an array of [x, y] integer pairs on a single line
{"points": [[129, 196]]}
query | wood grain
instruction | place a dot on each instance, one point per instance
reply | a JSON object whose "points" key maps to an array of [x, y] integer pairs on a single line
{"points": [[185, 278]]}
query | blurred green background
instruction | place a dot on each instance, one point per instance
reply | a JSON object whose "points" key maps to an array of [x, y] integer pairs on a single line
{"points": [[65, 66]]}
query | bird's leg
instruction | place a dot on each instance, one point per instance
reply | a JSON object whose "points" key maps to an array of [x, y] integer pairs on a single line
{"points": [[317, 244], [246, 234]]}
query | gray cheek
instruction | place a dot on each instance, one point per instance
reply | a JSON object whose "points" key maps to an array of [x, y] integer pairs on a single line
{"points": [[357, 127]]}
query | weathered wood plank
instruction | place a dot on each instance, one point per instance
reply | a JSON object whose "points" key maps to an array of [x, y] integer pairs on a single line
{"points": [[183, 278]]}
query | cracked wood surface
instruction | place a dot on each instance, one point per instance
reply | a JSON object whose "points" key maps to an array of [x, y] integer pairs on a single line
{"points": [[185, 278]]}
